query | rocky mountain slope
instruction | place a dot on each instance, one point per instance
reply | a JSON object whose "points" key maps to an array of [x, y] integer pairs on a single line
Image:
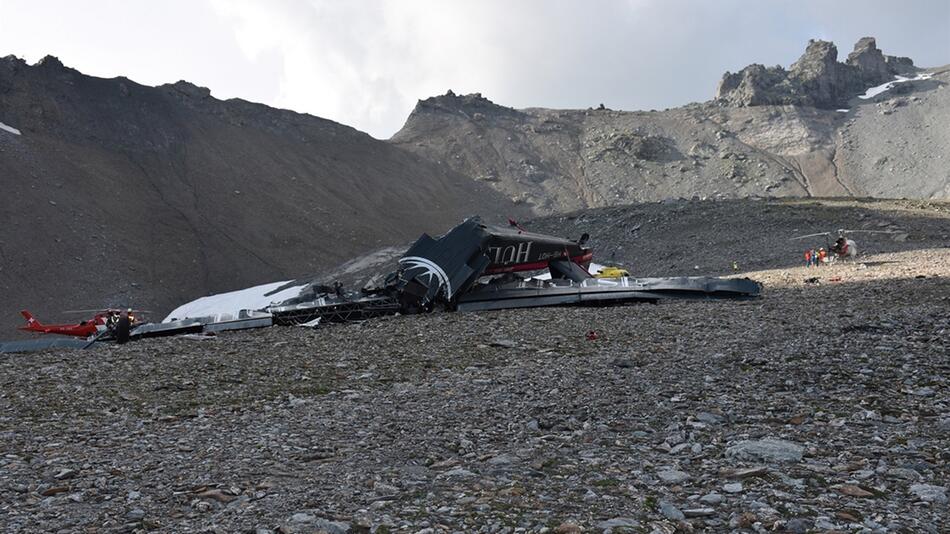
{"points": [[770, 132], [115, 193], [820, 407]]}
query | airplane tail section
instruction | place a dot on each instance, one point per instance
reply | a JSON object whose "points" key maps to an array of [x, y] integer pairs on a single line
{"points": [[31, 322]]}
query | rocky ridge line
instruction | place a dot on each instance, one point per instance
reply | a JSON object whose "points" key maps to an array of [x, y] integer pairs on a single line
{"points": [[817, 79]]}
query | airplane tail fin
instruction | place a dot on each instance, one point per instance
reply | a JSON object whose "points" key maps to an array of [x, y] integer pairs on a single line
{"points": [[30, 320]]}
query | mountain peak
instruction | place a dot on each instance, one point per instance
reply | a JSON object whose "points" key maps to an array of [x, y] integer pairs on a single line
{"points": [[819, 56], [50, 62], [469, 105], [189, 89], [817, 79]]}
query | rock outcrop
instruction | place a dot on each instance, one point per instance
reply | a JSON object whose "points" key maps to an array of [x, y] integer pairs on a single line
{"points": [[473, 106], [817, 79], [870, 62], [755, 85]]}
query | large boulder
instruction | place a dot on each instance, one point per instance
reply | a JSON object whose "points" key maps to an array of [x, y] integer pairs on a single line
{"points": [[767, 450]]}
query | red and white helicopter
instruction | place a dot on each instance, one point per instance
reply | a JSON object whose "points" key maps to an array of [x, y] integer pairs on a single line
{"points": [[844, 246], [117, 322]]}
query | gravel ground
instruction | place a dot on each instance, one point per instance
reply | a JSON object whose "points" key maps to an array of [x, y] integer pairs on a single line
{"points": [[819, 407]]}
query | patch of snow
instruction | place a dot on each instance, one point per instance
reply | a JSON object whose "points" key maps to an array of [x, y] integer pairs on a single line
{"points": [[10, 129], [230, 304], [874, 91]]}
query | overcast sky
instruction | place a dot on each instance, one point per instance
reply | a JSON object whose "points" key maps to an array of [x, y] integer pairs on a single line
{"points": [[365, 62]]}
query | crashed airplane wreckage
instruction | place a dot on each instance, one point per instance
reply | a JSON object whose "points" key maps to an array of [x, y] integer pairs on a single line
{"points": [[473, 267]]}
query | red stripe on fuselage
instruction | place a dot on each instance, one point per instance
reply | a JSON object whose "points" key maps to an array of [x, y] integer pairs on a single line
{"points": [[538, 265]]}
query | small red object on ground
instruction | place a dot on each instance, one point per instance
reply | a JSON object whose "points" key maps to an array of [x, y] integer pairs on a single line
{"points": [[591, 335]]}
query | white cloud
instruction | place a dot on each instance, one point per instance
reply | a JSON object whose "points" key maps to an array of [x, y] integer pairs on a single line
{"points": [[365, 62]]}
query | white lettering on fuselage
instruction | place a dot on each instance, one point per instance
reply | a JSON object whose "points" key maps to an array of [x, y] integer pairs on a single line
{"points": [[511, 254]]}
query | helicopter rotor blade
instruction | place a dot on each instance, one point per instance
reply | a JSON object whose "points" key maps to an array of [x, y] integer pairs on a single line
{"points": [[104, 310], [843, 231], [134, 310], [811, 235]]}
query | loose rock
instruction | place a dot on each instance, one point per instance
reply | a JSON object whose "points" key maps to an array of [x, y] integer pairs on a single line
{"points": [[766, 450]]}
